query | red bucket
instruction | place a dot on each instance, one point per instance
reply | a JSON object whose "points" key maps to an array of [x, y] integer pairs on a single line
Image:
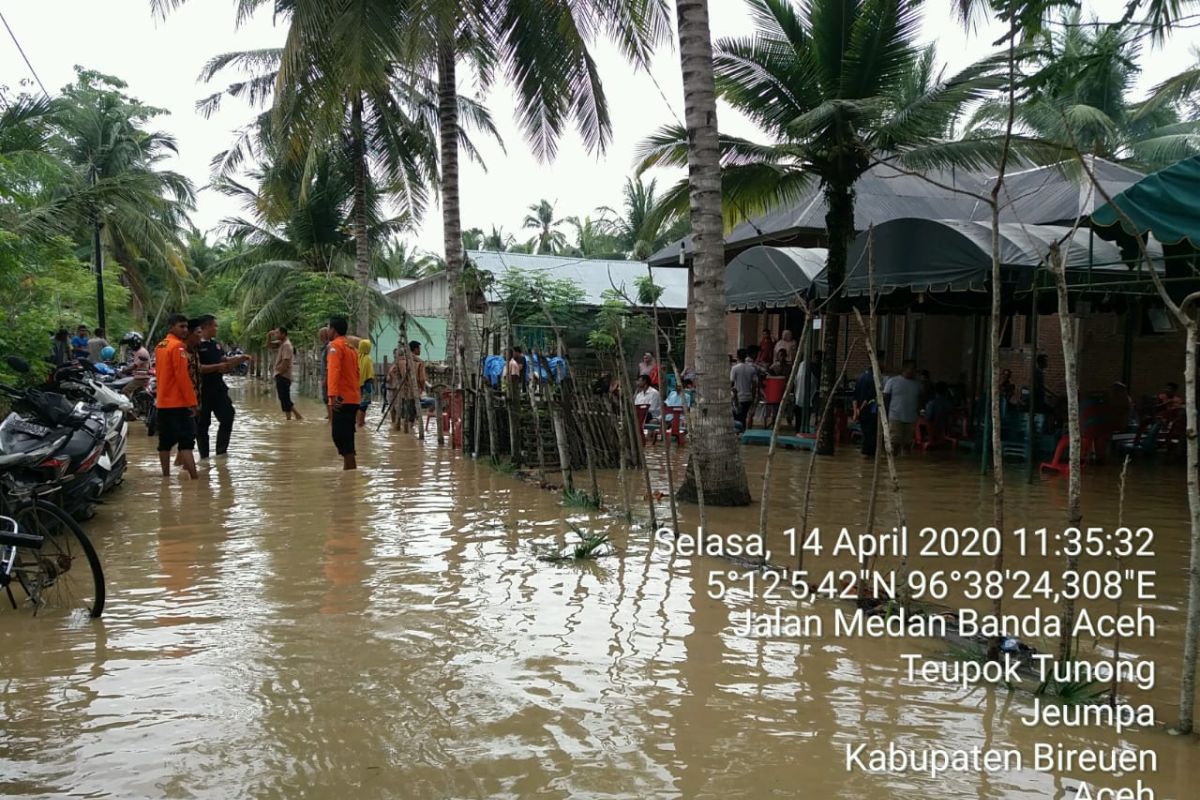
{"points": [[773, 389]]}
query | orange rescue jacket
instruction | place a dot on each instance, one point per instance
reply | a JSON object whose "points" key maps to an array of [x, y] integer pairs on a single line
{"points": [[341, 364], [175, 388]]}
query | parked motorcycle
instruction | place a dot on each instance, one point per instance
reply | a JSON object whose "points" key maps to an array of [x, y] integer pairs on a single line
{"points": [[80, 381], [78, 431]]}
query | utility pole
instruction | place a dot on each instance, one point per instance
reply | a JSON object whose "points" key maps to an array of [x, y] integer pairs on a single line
{"points": [[98, 260]]}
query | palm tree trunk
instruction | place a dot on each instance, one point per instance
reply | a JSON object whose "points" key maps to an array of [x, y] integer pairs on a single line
{"points": [[362, 241], [714, 444], [839, 222], [457, 339], [1191, 637]]}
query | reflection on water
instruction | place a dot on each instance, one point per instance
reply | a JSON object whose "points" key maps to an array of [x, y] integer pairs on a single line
{"points": [[280, 629]]}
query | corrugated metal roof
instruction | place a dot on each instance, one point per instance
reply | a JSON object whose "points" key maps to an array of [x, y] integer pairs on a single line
{"points": [[593, 276], [1041, 195]]}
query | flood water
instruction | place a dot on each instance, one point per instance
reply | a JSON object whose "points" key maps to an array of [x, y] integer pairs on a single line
{"points": [[279, 629]]}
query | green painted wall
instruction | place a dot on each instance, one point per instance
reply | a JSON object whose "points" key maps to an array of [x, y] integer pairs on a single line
{"points": [[429, 331]]}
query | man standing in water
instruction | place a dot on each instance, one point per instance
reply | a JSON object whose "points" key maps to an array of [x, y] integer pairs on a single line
{"points": [[342, 385], [176, 399], [283, 373], [902, 398], [214, 394]]}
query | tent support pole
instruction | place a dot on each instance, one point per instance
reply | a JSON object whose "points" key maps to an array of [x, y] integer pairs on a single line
{"points": [[1031, 451], [1131, 316]]}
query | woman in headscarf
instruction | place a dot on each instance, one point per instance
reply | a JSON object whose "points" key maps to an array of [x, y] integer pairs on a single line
{"points": [[366, 374]]}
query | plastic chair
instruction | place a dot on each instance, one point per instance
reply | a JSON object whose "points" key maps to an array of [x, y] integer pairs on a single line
{"points": [[676, 415], [926, 438], [1058, 462], [643, 411], [1146, 440]]}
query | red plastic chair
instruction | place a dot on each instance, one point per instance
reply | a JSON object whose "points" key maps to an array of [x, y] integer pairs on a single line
{"points": [[643, 411], [675, 432], [1058, 462]]}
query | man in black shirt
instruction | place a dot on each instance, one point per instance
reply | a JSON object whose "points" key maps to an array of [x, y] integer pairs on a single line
{"points": [[214, 394]]}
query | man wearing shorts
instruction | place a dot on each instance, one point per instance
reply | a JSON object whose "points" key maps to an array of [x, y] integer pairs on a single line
{"points": [[902, 398], [283, 373], [176, 398], [343, 386]]}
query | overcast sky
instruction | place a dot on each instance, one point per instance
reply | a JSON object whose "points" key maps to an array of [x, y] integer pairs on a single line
{"points": [[161, 60]]}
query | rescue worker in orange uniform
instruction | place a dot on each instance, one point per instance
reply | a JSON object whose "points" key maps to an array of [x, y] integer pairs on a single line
{"points": [[176, 398], [341, 368]]}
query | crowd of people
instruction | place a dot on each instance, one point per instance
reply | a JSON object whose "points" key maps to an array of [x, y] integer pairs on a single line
{"points": [[190, 364]]}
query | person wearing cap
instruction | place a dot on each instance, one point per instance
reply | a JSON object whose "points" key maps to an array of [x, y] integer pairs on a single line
{"points": [[176, 397], [343, 387]]}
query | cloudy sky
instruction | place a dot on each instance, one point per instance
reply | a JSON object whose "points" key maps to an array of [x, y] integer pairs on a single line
{"points": [[161, 59]]}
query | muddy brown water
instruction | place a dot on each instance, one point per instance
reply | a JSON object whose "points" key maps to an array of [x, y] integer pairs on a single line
{"points": [[280, 629]]}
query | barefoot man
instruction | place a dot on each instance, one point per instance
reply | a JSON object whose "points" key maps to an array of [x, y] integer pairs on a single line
{"points": [[283, 371], [176, 400], [344, 391]]}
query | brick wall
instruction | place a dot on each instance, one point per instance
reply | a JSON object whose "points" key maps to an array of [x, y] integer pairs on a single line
{"points": [[945, 344]]}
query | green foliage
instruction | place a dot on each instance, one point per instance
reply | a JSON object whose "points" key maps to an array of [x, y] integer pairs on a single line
{"points": [[1077, 93], [648, 292], [534, 298], [44, 288], [643, 225], [501, 465], [590, 546], [109, 168], [616, 317], [578, 498], [547, 237]]}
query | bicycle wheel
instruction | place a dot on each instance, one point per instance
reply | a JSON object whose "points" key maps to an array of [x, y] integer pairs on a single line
{"points": [[65, 573]]}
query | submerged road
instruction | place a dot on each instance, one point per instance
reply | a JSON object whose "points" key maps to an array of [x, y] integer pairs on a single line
{"points": [[281, 629]]}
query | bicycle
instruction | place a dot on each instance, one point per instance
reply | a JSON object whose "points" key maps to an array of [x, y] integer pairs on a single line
{"points": [[44, 555]]}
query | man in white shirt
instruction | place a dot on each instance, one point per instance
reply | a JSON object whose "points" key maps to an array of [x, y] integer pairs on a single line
{"points": [[647, 395], [744, 377], [902, 397]]}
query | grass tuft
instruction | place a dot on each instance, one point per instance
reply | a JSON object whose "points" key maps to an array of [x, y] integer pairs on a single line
{"points": [[580, 499], [590, 546]]}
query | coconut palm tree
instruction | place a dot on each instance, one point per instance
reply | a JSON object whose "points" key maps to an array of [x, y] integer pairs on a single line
{"points": [[828, 85], [540, 219], [592, 240], [336, 84], [544, 54], [717, 475], [1082, 76], [498, 240], [472, 238], [114, 177], [642, 226], [288, 236], [399, 259]]}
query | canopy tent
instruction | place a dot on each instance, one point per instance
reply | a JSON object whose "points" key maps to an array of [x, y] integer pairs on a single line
{"points": [[920, 255], [771, 277], [1046, 195], [1165, 204]]}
